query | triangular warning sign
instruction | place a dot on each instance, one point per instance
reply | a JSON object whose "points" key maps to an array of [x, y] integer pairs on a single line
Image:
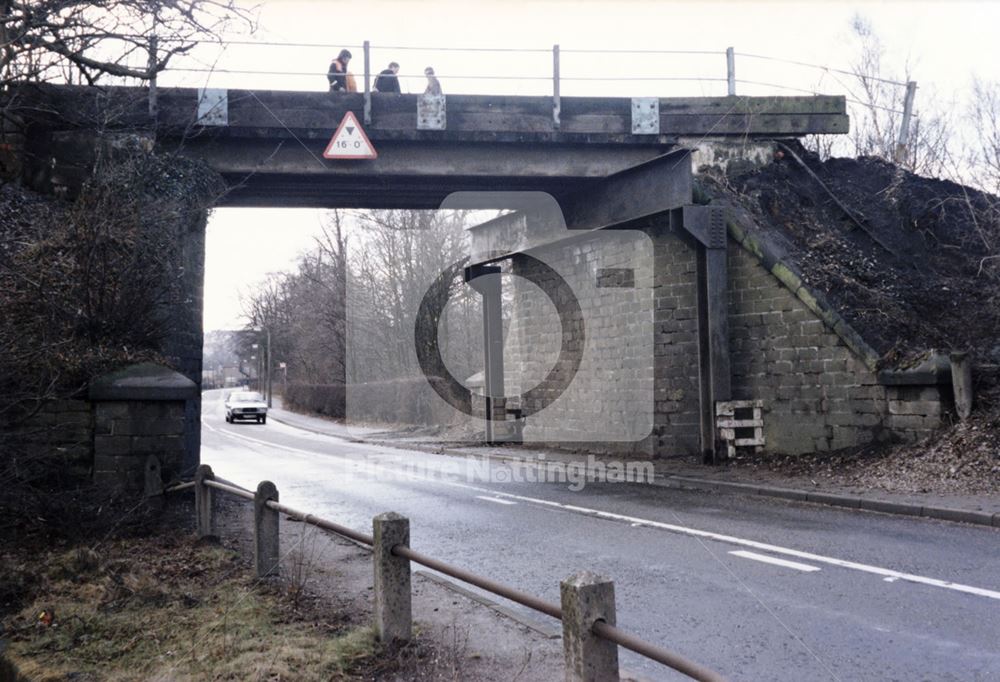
{"points": [[350, 141]]}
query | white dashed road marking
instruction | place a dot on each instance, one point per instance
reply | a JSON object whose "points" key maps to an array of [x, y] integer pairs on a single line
{"points": [[647, 523], [493, 499], [774, 560]]}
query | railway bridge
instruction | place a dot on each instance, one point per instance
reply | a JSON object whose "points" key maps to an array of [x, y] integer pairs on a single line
{"points": [[606, 163]]}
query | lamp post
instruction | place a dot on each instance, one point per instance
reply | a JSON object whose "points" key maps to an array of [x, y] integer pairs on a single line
{"points": [[267, 363], [257, 369], [283, 366]]}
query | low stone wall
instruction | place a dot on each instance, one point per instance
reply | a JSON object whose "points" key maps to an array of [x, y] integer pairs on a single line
{"points": [[139, 411]]}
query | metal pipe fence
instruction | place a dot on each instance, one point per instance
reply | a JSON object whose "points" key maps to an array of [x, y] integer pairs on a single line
{"points": [[590, 636]]}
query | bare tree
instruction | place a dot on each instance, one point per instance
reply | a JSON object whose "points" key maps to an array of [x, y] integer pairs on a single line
{"points": [[984, 121], [876, 113], [69, 39], [396, 259]]}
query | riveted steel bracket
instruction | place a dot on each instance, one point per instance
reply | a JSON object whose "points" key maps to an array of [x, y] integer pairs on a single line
{"points": [[432, 112], [707, 224], [213, 107], [645, 115]]}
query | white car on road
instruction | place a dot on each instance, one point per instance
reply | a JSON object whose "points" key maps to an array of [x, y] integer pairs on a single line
{"points": [[246, 405]]}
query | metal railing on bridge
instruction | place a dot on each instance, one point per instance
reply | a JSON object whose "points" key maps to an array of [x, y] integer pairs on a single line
{"points": [[567, 72]]}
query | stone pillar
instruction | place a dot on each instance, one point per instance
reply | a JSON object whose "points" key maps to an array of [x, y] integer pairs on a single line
{"points": [[586, 598], [265, 531], [393, 619], [138, 412], [182, 344]]}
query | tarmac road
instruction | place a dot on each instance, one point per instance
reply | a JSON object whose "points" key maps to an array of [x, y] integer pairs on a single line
{"points": [[757, 588]]}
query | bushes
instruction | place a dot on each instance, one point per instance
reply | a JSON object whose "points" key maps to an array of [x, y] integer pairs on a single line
{"points": [[398, 401], [325, 399]]}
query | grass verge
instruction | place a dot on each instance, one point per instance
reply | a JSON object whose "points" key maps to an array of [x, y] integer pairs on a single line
{"points": [[166, 608]]}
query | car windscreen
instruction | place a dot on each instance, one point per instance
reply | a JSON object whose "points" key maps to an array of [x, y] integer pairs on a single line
{"points": [[246, 398]]}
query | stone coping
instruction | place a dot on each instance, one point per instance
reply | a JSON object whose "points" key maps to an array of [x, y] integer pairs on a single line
{"points": [[143, 381]]}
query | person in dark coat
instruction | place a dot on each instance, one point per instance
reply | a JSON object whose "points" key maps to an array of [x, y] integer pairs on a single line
{"points": [[388, 81], [337, 73]]}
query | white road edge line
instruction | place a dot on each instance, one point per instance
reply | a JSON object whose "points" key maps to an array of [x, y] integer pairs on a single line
{"points": [[763, 558], [683, 530], [493, 499]]}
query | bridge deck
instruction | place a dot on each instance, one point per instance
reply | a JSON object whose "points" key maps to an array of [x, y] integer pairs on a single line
{"points": [[469, 117], [269, 144]]}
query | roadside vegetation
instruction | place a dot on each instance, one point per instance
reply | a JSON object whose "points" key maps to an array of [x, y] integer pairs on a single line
{"points": [[167, 607]]}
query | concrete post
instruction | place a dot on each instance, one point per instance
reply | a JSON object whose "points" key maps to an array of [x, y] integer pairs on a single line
{"points": [[153, 483], [587, 598], [266, 555], [393, 620], [203, 501], [961, 383]]}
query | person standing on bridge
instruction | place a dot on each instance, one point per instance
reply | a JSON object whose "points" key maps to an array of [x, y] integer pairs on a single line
{"points": [[433, 84], [336, 75], [387, 80]]}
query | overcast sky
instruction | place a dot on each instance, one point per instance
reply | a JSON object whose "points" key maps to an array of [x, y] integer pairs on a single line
{"points": [[942, 44]]}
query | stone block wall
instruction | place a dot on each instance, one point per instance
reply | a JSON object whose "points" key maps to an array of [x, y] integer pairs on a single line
{"points": [[609, 403], [677, 414], [125, 433], [818, 394], [139, 410], [62, 432], [914, 412]]}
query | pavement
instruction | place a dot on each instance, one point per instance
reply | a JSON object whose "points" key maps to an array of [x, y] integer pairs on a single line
{"points": [[758, 588], [977, 509]]}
